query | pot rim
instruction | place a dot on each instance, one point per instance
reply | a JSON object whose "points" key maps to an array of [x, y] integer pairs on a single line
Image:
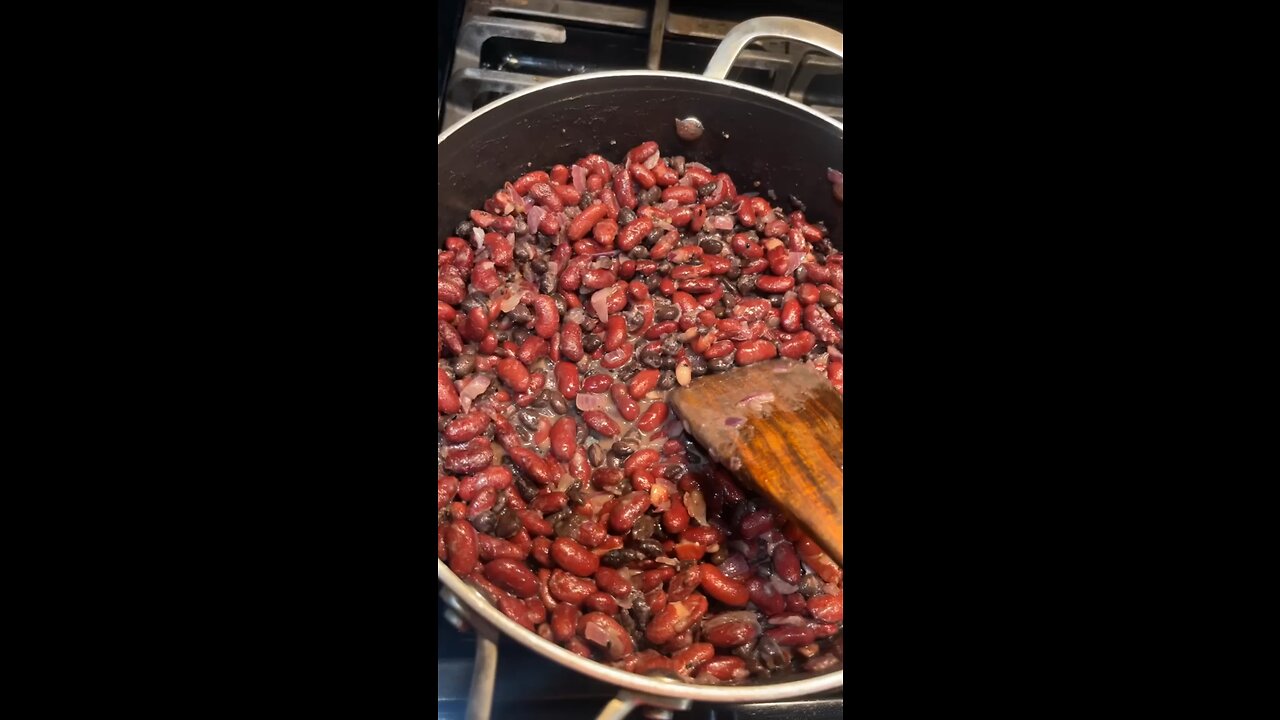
{"points": [[475, 603], [641, 73]]}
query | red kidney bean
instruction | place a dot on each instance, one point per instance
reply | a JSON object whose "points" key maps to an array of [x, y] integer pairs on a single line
{"points": [[798, 346], [827, 608], [541, 553], [731, 633], [643, 383], [492, 548], [703, 535], [601, 423], [573, 557], [765, 596], [835, 373], [469, 459], [549, 503], [537, 613], [786, 563], [446, 488], [722, 588], [688, 660], [514, 374], [526, 181], [546, 318], [630, 236], [790, 317], [615, 359], [466, 427], [447, 400], [533, 348], [533, 521], [532, 465], [512, 576], [676, 618], [567, 378], [630, 507], [598, 278], [605, 231], [653, 417], [640, 460], [597, 383], [725, 667], [791, 635], [585, 221], [627, 407], [650, 579], [612, 582], [564, 622], [818, 322], [495, 478], [795, 603], [753, 524], [615, 333], [676, 519], [604, 631], [564, 441], [775, 284], [808, 293], [681, 194], [569, 589], [571, 342], [464, 550], [684, 583], [753, 351], [601, 602]]}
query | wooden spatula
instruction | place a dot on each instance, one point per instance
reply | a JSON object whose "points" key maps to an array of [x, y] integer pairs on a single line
{"points": [[778, 425]]}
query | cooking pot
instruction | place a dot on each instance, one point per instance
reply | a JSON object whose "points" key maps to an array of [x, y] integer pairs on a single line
{"points": [[754, 136]]}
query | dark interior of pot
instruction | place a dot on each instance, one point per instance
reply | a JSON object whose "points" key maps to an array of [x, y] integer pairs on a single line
{"points": [[752, 136]]}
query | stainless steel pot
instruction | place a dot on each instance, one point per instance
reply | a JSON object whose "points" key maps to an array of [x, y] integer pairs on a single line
{"points": [[751, 134]]}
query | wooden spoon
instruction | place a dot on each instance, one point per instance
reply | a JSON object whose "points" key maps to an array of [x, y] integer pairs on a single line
{"points": [[779, 426]]}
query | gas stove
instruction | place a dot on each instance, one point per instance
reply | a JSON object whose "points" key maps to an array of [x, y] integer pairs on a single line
{"points": [[530, 687], [502, 46]]}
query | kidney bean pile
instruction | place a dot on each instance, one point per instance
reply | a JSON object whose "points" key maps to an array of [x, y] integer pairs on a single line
{"points": [[568, 494]]}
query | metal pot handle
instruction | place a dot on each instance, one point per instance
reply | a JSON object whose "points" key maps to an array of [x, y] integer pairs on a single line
{"points": [[743, 34]]}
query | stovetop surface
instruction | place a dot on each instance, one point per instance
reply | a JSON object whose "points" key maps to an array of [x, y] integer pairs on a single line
{"points": [[530, 687]]}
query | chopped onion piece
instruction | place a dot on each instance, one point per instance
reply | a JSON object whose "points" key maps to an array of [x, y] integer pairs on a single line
{"points": [[593, 401], [477, 235], [794, 620], [652, 161], [794, 259], [600, 302], [721, 222], [577, 316], [783, 586], [695, 504], [566, 481], [536, 213], [579, 174], [735, 421]]}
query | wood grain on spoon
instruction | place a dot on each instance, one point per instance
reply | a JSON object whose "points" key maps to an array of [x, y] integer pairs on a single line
{"points": [[778, 425]]}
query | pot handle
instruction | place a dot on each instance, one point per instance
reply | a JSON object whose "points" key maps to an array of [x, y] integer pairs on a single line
{"points": [[785, 28]]}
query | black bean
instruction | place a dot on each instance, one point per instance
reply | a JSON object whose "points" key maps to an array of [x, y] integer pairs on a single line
{"points": [[464, 230], [595, 455], [622, 557], [475, 300], [747, 283], [527, 489], [720, 364], [718, 309], [623, 449], [675, 472], [558, 404], [640, 609], [667, 380], [650, 548], [652, 281], [626, 216], [544, 398], [522, 253], [706, 190], [508, 524], [795, 203], [634, 321], [651, 358], [639, 252], [521, 227], [650, 196], [520, 334], [653, 237], [719, 556], [712, 246], [828, 299], [733, 273], [810, 585], [671, 344], [485, 521], [448, 370], [775, 301], [666, 313], [769, 652], [764, 570], [539, 265], [591, 343], [664, 268], [586, 200], [569, 525], [644, 527], [697, 365], [520, 315]]}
